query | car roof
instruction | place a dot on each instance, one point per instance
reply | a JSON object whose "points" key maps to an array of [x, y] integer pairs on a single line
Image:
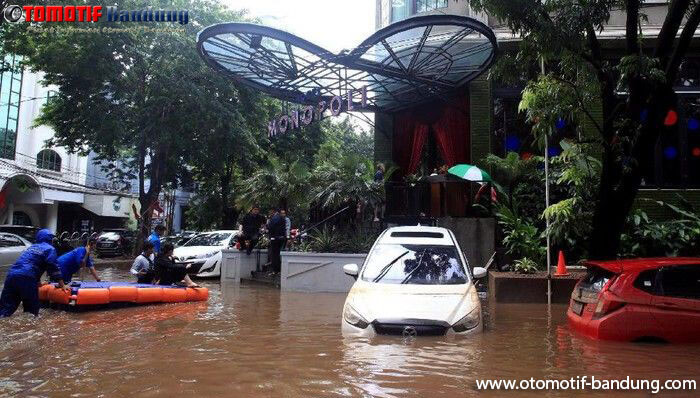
{"points": [[417, 235], [642, 264], [217, 232]]}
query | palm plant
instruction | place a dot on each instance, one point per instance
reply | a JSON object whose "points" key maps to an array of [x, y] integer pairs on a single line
{"points": [[279, 184], [347, 181]]}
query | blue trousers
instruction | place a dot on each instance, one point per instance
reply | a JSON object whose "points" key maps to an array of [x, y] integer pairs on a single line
{"points": [[19, 289]]}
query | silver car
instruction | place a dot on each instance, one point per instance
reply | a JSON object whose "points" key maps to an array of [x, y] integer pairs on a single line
{"points": [[11, 246]]}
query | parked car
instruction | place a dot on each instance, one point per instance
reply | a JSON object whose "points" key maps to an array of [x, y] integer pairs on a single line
{"points": [[114, 242], [204, 250], [11, 246], [179, 239], [651, 299], [414, 282], [26, 232]]}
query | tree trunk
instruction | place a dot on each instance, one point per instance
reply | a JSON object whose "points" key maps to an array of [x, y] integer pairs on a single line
{"points": [[621, 175], [148, 199]]}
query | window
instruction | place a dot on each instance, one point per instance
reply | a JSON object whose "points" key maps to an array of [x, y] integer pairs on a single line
{"points": [[512, 132], [646, 281], [400, 10], [48, 160], [676, 156], [681, 281], [429, 5], [596, 279], [10, 90], [10, 241], [414, 264], [22, 218]]}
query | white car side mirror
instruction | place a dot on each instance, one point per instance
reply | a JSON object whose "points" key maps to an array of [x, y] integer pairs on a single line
{"points": [[351, 269], [480, 272]]}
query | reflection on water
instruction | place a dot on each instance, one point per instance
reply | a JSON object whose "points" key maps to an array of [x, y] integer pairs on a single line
{"points": [[257, 342]]}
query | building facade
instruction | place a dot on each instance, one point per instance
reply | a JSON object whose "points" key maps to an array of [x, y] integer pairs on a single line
{"points": [[174, 202], [496, 126], [42, 186]]}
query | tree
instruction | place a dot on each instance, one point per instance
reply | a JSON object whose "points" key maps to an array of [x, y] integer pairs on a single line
{"points": [[232, 148], [580, 76], [137, 94]]}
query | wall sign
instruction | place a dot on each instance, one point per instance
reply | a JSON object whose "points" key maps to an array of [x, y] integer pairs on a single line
{"points": [[310, 113]]}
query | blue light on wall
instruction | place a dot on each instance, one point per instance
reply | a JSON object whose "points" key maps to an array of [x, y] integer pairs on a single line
{"points": [[554, 151], [561, 123], [693, 124], [643, 115], [670, 152], [512, 143]]}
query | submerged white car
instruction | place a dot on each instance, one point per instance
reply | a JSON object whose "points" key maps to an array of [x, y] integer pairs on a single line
{"points": [[205, 250], [414, 282]]}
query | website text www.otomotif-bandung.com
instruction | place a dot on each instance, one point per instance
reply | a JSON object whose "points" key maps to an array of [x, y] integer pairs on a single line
{"points": [[588, 383]]}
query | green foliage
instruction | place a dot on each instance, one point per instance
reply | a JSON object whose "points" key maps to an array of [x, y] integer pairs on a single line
{"points": [[521, 237], [525, 266], [279, 183], [357, 241], [338, 240], [325, 240], [679, 236], [521, 212]]}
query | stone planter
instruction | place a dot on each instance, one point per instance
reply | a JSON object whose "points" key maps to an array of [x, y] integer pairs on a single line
{"points": [[305, 272], [237, 265], [317, 272], [510, 287]]}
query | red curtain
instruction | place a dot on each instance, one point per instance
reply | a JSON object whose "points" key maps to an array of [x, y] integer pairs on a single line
{"points": [[408, 142], [449, 121], [452, 131]]}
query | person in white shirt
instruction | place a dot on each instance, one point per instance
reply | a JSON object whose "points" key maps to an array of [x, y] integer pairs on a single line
{"points": [[143, 267]]}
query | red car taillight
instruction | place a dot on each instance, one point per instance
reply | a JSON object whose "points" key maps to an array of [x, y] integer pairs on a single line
{"points": [[607, 303]]}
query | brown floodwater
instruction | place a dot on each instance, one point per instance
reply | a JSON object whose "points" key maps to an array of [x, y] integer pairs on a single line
{"points": [[253, 341]]}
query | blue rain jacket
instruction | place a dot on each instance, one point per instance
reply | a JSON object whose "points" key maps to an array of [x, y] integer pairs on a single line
{"points": [[37, 259], [69, 263]]}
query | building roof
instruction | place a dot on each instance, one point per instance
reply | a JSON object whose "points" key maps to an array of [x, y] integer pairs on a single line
{"points": [[642, 264], [401, 65]]}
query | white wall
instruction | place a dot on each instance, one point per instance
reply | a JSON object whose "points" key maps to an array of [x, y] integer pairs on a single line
{"points": [[31, 140]]}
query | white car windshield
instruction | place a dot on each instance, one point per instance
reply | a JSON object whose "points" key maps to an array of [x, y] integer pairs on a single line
{"points": [[415, 264], [218, 239]]}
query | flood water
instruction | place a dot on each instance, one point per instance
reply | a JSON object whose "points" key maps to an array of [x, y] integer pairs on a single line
{"points": [[254, 341]]}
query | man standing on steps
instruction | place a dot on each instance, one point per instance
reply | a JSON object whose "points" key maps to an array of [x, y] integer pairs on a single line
{"points": [[277, 228], [250, 229]]}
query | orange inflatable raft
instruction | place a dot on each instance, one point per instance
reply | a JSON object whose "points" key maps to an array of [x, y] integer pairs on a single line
{"points": [[106, 293]]}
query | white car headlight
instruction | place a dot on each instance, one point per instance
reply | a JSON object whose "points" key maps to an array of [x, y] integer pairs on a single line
{"points": [[354, 318], [468, 322]]}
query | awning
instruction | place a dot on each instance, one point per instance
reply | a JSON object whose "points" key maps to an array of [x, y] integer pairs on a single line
{"points": [[401, 65]]}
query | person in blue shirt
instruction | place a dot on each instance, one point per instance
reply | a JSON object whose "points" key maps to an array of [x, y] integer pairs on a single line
{"points": [[158, 231], [71, 262], [22, 281]]}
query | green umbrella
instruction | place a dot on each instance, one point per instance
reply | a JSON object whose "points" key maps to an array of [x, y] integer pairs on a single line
{"points": [[470, 173]]}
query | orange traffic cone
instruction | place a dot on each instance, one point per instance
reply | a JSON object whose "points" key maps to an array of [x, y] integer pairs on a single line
{"points": [[561, 266]]}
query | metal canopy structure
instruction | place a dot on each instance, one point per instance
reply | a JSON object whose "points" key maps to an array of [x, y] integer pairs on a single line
{"points": [[401, 65]]}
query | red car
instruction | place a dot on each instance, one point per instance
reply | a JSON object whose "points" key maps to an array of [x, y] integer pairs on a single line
{"points": [[648, 299]]}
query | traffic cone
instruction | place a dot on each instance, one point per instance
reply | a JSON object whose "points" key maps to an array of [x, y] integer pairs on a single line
{"points": [[561, 266]]}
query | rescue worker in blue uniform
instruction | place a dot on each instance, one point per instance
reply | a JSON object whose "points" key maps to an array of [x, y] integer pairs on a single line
{"points": [[71, 262], [22, 281], [158, 231]]}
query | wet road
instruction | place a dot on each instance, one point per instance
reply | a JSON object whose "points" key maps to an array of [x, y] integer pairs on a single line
{"points": [[257, 342]]}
